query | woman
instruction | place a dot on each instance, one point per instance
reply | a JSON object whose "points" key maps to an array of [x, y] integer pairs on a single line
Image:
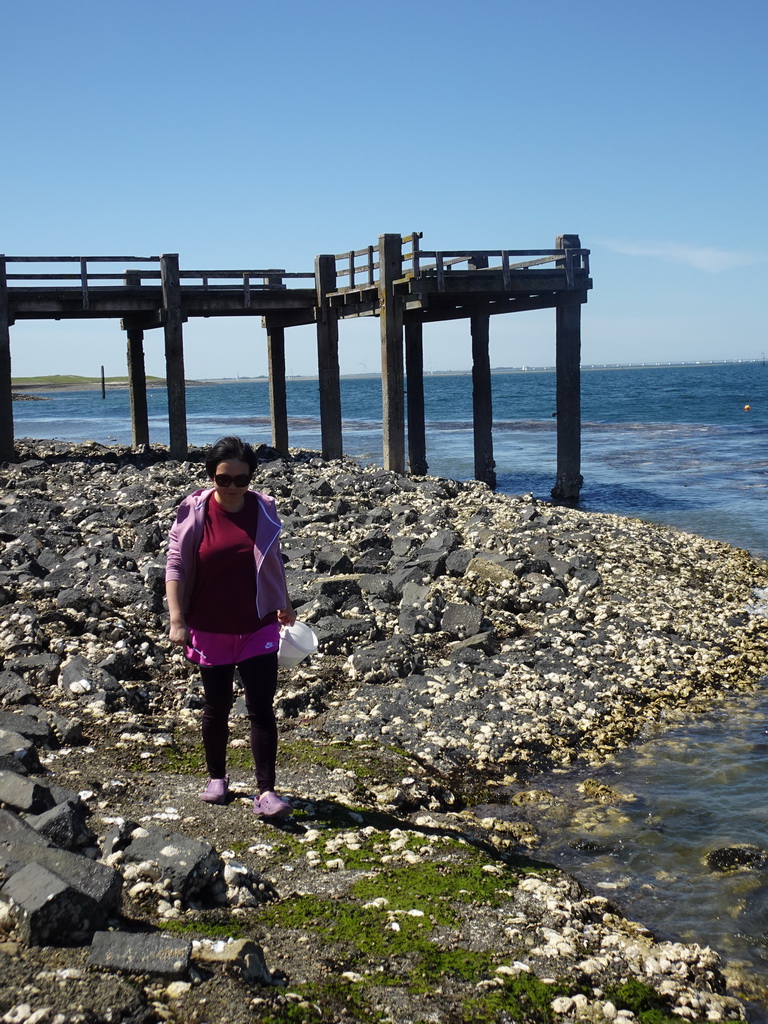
{"points": [[227, 598]]}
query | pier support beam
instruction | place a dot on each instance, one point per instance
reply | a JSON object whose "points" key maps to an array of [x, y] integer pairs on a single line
{"points": [[277, 398], [174, 355], [137, 387], [414, 371], [328, 358], [391, 329], [568, 366], [7, 452], [569, 479], [482, 400]]}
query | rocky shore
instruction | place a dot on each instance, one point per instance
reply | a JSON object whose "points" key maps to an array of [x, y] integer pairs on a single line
{"points": [[470, 644]]}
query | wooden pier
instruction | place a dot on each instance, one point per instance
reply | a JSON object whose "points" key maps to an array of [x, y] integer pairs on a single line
{"points": [[396, 280]]}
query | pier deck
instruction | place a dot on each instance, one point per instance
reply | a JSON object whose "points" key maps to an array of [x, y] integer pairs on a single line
{"points": [[395, 280]]}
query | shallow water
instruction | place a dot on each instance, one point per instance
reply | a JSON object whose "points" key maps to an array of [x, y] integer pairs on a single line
{"points": [[687, 790]]}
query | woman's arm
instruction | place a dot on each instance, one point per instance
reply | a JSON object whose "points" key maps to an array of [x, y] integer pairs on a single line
{"points": [[177, 631]]}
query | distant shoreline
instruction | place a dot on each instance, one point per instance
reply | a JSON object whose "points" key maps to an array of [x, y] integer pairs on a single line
{"points": [[65, 383]]}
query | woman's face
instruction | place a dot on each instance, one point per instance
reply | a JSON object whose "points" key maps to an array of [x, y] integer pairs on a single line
{"points": [[230, 482]]}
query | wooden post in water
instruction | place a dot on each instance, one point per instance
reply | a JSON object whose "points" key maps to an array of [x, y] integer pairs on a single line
{"points": [[328, 358], [414, 372], [137, 377], [277, 397], [7, 453], [391, 329], [103, 384], [174, 355], [568, 365], [482, 400]]}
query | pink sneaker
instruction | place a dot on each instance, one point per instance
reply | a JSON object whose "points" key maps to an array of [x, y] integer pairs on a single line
{"points": [[270, 805], [216, 791]]}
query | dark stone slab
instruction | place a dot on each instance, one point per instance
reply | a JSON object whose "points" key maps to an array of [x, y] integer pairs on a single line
{"points": [[462, 620], [99, 881], [17, 753], [36, 669], [13, 689], [48, 910], [23, 794], [395, 658], [33, 727], [191, 865], [64, 825], [144, 953]]}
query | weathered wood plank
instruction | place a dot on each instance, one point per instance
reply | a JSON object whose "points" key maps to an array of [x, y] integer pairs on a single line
{"points": [[174, 356], [278, 403], [137, 387], [414, 371], [391, 331], [328, 359], [7, 453]]}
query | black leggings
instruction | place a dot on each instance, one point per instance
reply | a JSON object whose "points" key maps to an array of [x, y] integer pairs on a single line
{"points": [[259, 676]]}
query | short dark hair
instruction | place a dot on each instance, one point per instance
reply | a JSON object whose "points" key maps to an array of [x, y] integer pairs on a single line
{"points": [[227, 449]]}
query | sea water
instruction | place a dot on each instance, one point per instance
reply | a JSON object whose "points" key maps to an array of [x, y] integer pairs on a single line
{"points": [[685, 446], [675, 445]]}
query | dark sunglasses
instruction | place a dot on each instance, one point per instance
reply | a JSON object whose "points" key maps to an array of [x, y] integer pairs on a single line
{"points": [[224, 479]]}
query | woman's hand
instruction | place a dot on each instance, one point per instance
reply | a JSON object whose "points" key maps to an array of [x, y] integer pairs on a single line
{"points": [[286, 616], [178, 634]]}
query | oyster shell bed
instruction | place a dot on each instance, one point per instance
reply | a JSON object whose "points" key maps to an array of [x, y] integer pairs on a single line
{"points": [[474, 640]]}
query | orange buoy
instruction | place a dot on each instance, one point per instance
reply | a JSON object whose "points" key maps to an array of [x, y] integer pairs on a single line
{"points": [[747, 408]]}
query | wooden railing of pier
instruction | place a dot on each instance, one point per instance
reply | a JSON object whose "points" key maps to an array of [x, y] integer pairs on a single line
{"points": [[396, 280]]}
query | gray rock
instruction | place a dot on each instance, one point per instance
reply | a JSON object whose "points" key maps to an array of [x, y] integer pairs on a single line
{"points": [[64, 825], [13, 689], [17, 753], [164, 955], [93, 878], [23, 794], [36, 669], [33, 726], [48, 910], [244, 956], [337, 635], [395, 658], [732, 858], [191, 865], [457, 562], [462, 620]]}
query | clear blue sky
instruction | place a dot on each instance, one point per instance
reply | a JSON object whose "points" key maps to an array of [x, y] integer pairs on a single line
{"points": [[246, 133]]}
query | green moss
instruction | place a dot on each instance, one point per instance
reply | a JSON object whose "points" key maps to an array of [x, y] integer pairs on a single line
{"points": [[645, 1002], [190, 760], [434, 887], [524, 999], [330, 1001], [203, 929], [183, 762]]}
